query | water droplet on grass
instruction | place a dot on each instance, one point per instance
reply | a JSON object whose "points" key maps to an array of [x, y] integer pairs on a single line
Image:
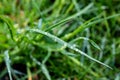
{"points": [[55, 40], [72, 47], [65, 45]]}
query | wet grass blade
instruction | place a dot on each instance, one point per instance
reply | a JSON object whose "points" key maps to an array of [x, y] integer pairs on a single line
{"points": [[91, 41], [87, 24], [7, 61], [71, 17], [45, 71], [65, 44]]}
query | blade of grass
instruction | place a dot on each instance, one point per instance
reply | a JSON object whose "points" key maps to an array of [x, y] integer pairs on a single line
{"points": [[33, 74], [91, 41], [71, 17], [70, 35], [60, 41], [86, 25], [10, 26], [43, 67], [40, 24], [2, 73], [45, 71], [7, 61], [64, 52], [84, 67], [29, 72], [76, 5], [46, 58], [72, 56]]}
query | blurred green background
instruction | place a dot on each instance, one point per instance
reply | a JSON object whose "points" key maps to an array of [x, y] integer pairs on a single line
{"points": [[92, 26]]}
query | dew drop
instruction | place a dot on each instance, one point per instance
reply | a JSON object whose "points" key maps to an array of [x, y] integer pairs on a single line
{"points": [[65, 45], [55, 40], [71, 47], [46, 33], [74, 45], [76, 50]]}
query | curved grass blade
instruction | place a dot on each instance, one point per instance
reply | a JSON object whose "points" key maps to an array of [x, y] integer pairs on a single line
{"points": [[47, 57], [91, 41], [71, 17], [102, 19], [70, 35], [87, 24], [9, 24], [65, 44]]}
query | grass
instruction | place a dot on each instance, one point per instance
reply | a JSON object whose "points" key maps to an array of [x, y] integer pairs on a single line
{"points": [[59, 40]]}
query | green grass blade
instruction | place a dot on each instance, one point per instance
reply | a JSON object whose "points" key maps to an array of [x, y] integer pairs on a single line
{"points": [[2, 73], [87, 24], [40, 24], [35, 60], [91, 41], [83, 66], [45, 71], [43, 67], [79, 29], [7, 61], [64, 52], [47, 57], [71, 17], [102, 19], [65, 44], [10, 26], [29, 74]]}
